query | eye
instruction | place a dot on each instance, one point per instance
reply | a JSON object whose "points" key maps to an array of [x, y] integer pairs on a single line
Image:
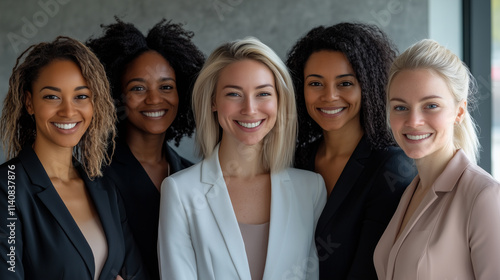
{"points": [[345, 84], [400, 108], [432, 106], [232, 94], [264, 94], [82, 96], [50, 96], [314, 84], [137, 88], [166, 87]]}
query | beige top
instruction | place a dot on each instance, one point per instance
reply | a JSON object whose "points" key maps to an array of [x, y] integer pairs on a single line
{"points": [[93, 232], [256, 239]]}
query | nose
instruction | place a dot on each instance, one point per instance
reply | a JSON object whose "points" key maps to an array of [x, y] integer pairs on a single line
{"points": [[248, 106], [330, 93], [67, 108], [153, 97], [414, 119]]}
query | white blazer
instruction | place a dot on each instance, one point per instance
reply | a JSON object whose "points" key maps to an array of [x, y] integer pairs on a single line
{"points": [[199, 236]]}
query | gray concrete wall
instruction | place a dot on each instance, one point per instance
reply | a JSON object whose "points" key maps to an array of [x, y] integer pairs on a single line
{"points": [[278, 23]]}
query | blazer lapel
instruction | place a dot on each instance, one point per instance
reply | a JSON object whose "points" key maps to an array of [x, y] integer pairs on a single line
{"points": [[351, 173], [101, 202], [220, 203], [51, 199], [280, 212]]}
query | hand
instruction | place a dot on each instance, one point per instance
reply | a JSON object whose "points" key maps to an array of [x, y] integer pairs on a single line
{"points": [[119, 277]]}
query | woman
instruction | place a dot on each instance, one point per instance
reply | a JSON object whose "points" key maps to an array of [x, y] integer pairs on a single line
{"points": [[448, 221], [241, 213], [151, 78], [340, 75], [64, 221]]}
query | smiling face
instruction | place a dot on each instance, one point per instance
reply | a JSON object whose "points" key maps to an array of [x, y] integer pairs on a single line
{"points": [[61, 103], [150, 94], [423, 112], [246, 102], [332, 92]]}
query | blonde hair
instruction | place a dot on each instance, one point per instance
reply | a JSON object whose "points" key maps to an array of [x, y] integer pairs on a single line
{"points": [[17, 126], [430, 55], [279, 144]]}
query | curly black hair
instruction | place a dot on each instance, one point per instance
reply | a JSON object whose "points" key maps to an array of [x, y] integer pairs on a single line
{"points": [[370, 54], [123, 42]]}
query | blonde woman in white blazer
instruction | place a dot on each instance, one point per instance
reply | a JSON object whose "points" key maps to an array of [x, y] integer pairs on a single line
{"points": [[241, 213]]}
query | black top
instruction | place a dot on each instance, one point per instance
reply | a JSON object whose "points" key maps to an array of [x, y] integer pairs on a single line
{"points": [[142, 199], [39, 239], [359, 208]]}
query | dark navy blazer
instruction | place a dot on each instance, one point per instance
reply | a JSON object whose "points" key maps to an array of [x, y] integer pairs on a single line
{"points": [[141, 199], [48, 242], [359, 208]]}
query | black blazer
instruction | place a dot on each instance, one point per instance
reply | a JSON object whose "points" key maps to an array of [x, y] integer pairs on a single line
{"points": [[44, 237], [141, 199], [359, 208]]}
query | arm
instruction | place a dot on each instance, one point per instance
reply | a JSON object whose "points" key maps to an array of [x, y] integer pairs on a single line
{"points": [[484, 233], [319, 204], [11, 240], [387, 186], [176, 255]]}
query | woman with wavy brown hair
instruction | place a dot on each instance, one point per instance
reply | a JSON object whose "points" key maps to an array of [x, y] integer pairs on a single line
{"points": [[65, 222]]}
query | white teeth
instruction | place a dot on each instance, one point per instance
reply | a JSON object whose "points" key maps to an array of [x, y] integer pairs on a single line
{"points": [[331, 112], [154, 114], [65, 125], [250, 125], [417, 137]]}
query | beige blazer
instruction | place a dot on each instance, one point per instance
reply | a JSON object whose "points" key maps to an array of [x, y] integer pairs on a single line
{"points": [[453, 234]]}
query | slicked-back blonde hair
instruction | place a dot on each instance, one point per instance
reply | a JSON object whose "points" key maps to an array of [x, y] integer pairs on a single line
{"points": [[279, 143], [429, 55], [17, 126]]}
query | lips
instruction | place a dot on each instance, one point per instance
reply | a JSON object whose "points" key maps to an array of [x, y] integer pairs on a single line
{"points": [[418, 137], [154, 114], [249, 124], [65, 126], [332, 111]]}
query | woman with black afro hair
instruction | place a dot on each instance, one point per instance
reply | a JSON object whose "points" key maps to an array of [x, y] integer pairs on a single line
{"points": [[340, 75], [151, 78]]}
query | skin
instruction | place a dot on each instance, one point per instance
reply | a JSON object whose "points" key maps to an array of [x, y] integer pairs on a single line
{"points": [[423, 113], [246, 103], [333, 100], [151, 103]]}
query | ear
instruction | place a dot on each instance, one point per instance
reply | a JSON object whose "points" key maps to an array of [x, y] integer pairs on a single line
{"points": [[462, 109], [214, 106], [28, 103]]}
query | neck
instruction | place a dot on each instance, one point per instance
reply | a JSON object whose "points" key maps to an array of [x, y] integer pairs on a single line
{"points": [[341, 143], [239, 160], [430, 167], [146, 147], [57, 161]]}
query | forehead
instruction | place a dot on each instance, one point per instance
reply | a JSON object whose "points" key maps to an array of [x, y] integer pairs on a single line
{"points": [[327, 61], [149, 63], [415, 84], [247, 71]]}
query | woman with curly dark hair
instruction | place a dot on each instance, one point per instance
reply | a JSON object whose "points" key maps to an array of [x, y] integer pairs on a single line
{"points": [[151, 78], [340, 74], [63, 221]]}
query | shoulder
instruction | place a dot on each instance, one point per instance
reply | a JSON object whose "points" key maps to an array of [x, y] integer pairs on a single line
{"points": [[302, 180], [475, 179]]}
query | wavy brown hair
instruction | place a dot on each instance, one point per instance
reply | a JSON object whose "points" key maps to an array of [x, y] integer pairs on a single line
{"points": [[17, 126]]}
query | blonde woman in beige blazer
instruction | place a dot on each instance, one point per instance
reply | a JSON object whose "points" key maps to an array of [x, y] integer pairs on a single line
{"points": [[447, 224]]}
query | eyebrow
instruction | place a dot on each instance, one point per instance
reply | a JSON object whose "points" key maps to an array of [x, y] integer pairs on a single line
{"points": [[162, 79], [240, 88], [423, 99], [337, 77], [59, 90]]}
